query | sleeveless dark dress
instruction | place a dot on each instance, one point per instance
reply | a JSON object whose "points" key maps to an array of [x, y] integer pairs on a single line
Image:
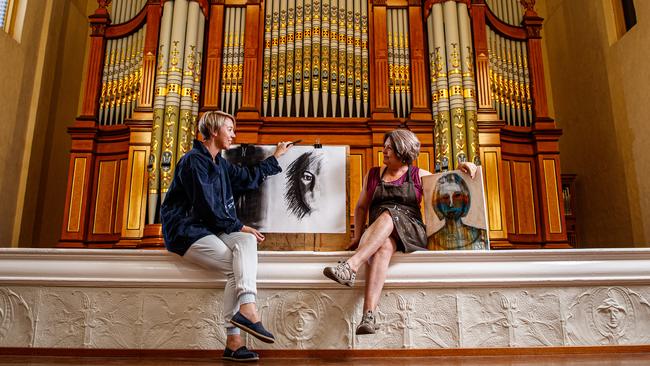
{"points": [[402, 204]]}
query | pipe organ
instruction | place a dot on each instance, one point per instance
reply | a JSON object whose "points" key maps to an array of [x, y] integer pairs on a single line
{"points": [[316, 59], [465, 75]]}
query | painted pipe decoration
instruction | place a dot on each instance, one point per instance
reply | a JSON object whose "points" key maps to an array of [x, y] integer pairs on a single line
{"points": [[453, 85], [176, 95], [509, 79], [509, 11], [399, 62], [122, 72], [233, 60], [316, 59]]}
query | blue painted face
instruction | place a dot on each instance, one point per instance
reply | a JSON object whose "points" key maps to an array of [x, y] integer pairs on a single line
{"points": [[451, 200]]}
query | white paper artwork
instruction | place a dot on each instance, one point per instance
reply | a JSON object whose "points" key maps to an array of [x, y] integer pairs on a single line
{"points": [[455, 211], [308, 196]]}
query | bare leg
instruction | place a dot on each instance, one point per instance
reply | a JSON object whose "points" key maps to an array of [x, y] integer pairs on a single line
{"points": [[376, 275], [249, 311], [233, 342], [373, 238]]}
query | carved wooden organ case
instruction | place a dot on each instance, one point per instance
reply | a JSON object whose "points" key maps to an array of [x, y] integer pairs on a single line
{"points": [[466, 76]]}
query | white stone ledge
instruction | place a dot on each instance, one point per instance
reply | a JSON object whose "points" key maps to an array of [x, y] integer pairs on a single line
{"points": [[292, 270]]}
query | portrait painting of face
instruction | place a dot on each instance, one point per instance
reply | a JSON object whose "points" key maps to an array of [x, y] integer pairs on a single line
{"points": [[455, 211], [308, 196]]}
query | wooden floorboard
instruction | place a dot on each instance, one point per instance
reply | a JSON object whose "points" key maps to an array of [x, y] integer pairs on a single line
{"points": [[626, 359]]}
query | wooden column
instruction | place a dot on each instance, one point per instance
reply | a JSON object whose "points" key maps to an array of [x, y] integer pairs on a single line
{"points": [[210, 89], [251, 98], [533, 25], [489, 135], [379, 99], [546, 138], [145, 99], [83, 132], [420, 83], [134, 196], [481, 55]]}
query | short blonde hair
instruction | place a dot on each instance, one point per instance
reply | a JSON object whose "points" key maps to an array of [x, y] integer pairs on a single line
{"points": [[405, 144], [212, 121]]}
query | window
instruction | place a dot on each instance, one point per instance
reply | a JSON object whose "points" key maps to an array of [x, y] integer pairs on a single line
{"points": [[7, 12], [629, 14], [624, 16]]}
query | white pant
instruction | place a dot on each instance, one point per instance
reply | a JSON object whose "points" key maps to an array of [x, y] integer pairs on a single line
{"points": [[234, 255]]}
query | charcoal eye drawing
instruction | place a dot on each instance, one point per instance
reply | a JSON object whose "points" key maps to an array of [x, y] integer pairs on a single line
{"points": [[303, 184], [309, 196]]}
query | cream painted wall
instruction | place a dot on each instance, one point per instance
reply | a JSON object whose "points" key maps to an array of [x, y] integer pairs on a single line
{"points": [[19, 81], [39, 99], [601, 95], [43, 225]]}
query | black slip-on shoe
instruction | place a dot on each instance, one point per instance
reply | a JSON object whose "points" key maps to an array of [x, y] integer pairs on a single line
{"points": [[242, 354], [255, 329]]}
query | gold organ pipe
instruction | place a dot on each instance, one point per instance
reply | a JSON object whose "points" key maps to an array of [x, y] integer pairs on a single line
{"points": [[240, 60], [325, 55], [342, 56], [266, 72], [315, 50], [334, 55], [291, 39], [275, 43], [349, 31], [282, 60], [307, 59], [315, 54], [298, 55], [365, 68], [357, 58], [391, 60]]}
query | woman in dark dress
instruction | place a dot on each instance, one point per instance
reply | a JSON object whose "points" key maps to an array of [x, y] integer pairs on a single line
{"points": [[392, 195]]}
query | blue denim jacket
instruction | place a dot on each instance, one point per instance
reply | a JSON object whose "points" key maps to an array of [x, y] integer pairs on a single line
{"points": [[200, 199]]}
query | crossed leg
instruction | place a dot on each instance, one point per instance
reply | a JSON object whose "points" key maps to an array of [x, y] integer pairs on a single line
{"points": [[376, 248]]}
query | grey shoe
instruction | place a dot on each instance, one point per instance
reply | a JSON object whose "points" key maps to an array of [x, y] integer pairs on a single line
{"points": [[342, 274], [368, 324]]}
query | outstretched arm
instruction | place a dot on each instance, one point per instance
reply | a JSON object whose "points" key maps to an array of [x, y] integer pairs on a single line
{"points": [[249, 178]]}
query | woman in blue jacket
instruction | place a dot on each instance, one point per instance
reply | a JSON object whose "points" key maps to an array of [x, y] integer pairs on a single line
{"points": [[200, 223]]}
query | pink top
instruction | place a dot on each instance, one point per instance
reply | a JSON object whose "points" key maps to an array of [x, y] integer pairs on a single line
{"points": [[374, 178]]}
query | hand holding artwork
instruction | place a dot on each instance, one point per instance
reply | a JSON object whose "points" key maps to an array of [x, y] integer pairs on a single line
{"points": [[469, 168], [247, 229], [282, 148]]}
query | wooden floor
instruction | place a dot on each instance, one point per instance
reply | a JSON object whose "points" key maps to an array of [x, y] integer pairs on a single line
{"points": [[627, 359]]}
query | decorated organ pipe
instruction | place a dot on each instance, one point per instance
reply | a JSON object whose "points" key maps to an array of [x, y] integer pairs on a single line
{"points": [[453, 86], [399, 62], [291, 39], [122, 72], [334, 56], [233, 60], [176, 94], [509, 11], [325, 55], [509, 78], [316, 59], [306, 55]]}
